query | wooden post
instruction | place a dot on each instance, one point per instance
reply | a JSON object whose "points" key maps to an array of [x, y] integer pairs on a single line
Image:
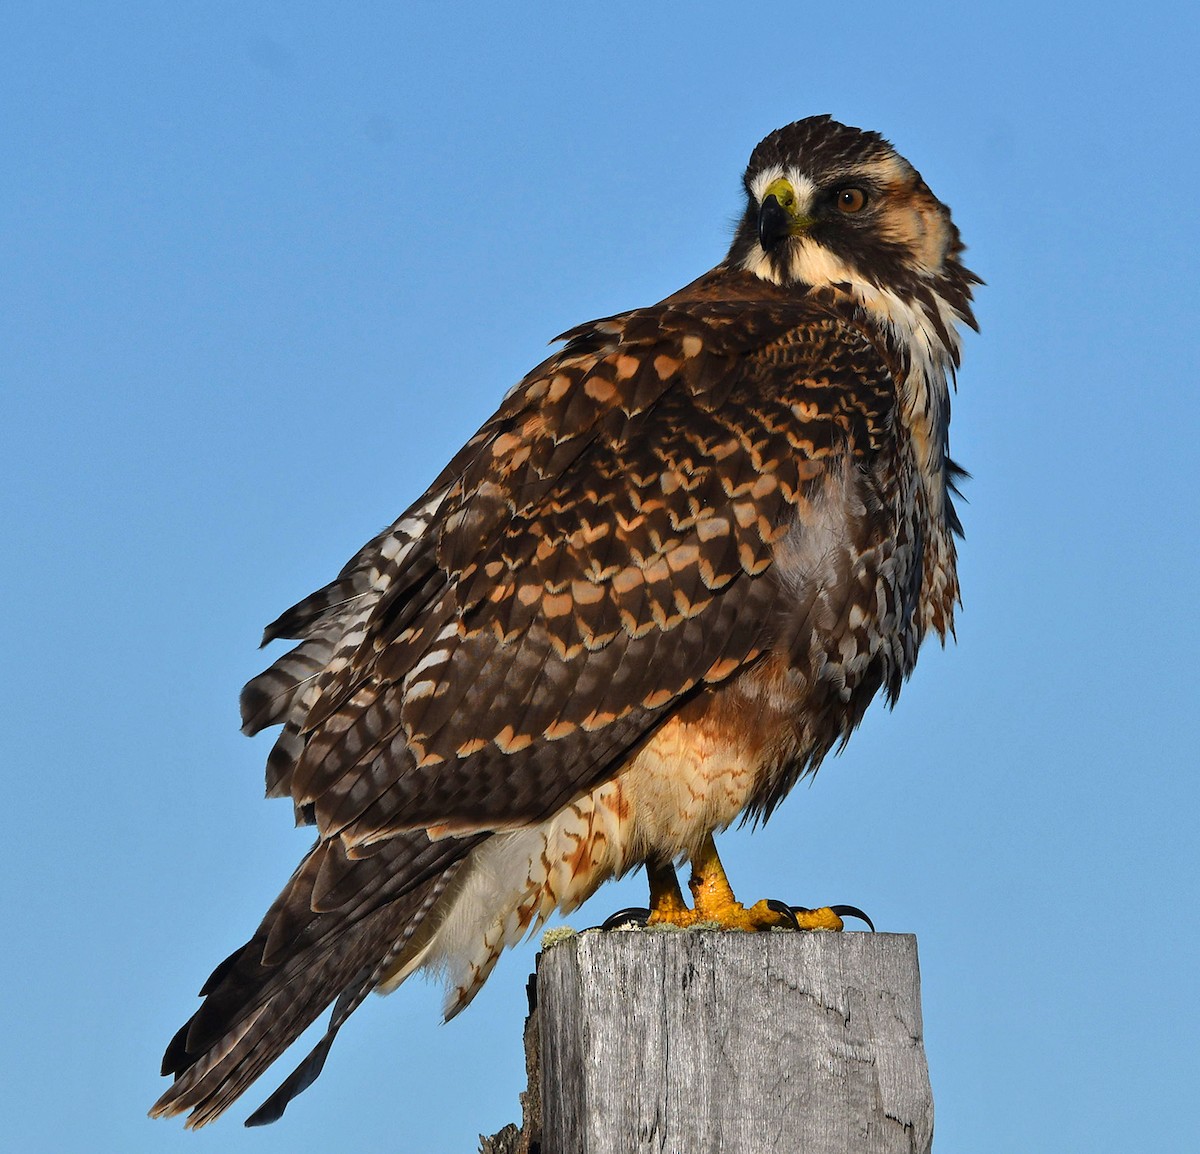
{"points": [[728, 1043]]}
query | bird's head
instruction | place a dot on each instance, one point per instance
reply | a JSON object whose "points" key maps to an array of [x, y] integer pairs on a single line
{"points": [[829, 205]]}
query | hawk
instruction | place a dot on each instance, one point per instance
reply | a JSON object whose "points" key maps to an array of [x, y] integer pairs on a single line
{"points": [[645, 599]]}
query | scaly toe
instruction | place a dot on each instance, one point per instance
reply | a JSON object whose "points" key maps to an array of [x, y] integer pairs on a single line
{"points": [[762, 915], [828, 917], [770, 914], [821, 919]]}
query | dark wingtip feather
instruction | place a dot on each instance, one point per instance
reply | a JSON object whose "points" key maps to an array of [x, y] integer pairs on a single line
{"points": [[295, 1083], [176, 1057], [253, 704], [263, 996]]}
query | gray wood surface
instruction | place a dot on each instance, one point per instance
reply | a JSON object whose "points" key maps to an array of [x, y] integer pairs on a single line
{"points": [[729, 1043]]}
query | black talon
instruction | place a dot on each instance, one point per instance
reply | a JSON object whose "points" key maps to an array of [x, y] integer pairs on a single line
{"points": [[853, 912], [779, 907], [634, 915]]}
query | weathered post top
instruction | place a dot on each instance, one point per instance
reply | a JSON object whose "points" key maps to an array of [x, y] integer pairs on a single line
{"points": [[731, 1043]]}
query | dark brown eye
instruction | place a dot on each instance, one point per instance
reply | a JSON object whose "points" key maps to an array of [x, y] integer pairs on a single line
{"points": [[851, 200]]}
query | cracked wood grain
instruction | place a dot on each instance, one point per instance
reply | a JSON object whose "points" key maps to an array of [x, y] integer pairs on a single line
{"points": [[727, 1043]]}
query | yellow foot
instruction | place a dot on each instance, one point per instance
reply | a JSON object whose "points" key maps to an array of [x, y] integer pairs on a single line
{"points": [[727, 916], [714, 904], [763, 915]]}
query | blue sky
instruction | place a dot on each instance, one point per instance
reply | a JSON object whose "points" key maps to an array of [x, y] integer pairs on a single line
{"points": [[264, 267]]}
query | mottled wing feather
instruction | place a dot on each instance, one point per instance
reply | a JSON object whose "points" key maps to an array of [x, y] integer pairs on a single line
{"points": [[602, 551], [590, 559]]}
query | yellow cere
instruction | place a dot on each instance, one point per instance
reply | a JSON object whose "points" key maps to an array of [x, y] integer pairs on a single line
{"points": [[783, 191]]}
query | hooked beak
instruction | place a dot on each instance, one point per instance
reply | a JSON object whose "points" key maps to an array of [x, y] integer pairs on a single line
{"points": [[778, 216], [773, 223]]}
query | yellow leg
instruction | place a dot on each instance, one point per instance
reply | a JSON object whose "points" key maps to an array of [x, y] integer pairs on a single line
{"points": [[712, 895], [666, 898], [714, 900], [710, 888]]}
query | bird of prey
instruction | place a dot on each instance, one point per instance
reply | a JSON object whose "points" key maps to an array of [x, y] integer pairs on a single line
{"points": [[651, 593]]}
